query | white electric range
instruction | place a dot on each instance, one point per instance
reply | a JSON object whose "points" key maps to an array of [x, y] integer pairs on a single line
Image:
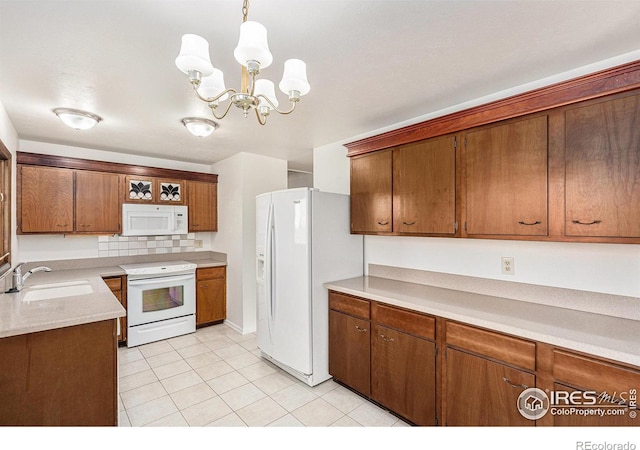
{"points": [[161, 300]]}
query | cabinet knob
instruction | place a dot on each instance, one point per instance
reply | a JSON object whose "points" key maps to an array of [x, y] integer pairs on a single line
{"points": [[594, 222], [380, 222], [385, 338], [62, 225], [361, 330], [85, 225], [409, 223]]}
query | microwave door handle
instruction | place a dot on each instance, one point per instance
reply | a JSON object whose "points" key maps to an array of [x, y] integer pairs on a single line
{"points": [[157, 280]]}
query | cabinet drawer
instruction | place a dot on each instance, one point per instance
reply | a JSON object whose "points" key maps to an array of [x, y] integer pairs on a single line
{"points": [[210, 273], [508, 349], [410, 322], [592, 374], [115, 284], [350, 305]]}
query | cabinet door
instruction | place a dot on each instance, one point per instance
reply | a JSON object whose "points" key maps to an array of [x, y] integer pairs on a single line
{"points": [[603, 169], [171, 192], [140, 189], [349, 351], [424, 185], [371, 193], [506, 179], [97, 202], [46, 197], [203, 206], [403, 374], [211, 301], [481, 392]]}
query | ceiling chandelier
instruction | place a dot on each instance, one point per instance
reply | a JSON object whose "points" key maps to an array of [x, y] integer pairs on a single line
{"points": [[253, 53]]}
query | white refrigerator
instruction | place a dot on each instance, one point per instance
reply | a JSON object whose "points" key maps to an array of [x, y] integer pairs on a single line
{"points": [[302, 241]]}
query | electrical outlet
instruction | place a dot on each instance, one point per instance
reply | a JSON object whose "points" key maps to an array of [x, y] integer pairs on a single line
{"points": [[508, 267], [198, 243]]}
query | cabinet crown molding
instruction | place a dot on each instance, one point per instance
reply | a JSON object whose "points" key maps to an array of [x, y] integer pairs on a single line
{"points": [[65, 162], [617, 79]]}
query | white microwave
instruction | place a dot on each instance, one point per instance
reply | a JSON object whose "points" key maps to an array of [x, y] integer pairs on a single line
{"points": [[153, 220]]}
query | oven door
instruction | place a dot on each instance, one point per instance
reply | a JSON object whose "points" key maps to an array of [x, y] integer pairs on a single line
{"points": [[153, 299]]}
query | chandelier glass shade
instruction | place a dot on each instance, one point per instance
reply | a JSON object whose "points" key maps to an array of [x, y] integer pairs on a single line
{"points": [[252, 52]]}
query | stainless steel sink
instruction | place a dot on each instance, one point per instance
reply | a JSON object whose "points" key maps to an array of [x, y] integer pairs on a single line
{"points": [[56, 290]]}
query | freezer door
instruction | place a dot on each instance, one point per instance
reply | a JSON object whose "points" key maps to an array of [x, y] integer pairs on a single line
{"points": [[290, 261]]}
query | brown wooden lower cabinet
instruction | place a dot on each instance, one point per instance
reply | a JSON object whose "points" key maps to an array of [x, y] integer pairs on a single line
{"points": [[403, 374], [350, 351], [607, 391], [482, 392], [66, 376], [211, 295], [390, 355], [379, 356]]}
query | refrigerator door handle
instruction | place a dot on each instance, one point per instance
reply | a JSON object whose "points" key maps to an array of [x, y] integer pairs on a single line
{"points": [[272, 281], [268, 276]]}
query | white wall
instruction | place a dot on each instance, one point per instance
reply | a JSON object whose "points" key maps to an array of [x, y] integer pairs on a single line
{"points": [[298, 179], [607, 268], [240, 178], [331, 170]]}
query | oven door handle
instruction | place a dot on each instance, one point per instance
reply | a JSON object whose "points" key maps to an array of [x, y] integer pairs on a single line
{"points": [[157, 280]]}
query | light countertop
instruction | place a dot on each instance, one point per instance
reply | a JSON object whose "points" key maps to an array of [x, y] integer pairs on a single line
{"points": [[21, 317], [600, 335]]}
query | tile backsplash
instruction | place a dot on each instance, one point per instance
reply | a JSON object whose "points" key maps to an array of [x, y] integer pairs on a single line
{"points": [[145, 245]]}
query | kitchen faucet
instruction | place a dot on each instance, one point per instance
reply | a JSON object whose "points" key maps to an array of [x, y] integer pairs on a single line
{"points": [[19, 279]]}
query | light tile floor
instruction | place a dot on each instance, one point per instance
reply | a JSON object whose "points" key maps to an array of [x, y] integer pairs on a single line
{"points": [[216, 377]]}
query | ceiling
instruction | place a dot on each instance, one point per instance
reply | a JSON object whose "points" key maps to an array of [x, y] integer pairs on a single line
{"points": [[370, 63]]}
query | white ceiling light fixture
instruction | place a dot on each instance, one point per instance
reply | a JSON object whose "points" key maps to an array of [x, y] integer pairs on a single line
{"points": [[199, 127], [253, 53], [76, 119]]}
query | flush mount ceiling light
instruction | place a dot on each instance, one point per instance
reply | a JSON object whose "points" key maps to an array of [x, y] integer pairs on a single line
{"points": [[253, 53], [198, 126], [76, 119]]}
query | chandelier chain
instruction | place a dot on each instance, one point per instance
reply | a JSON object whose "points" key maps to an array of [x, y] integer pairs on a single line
{"points": [[245, 10]]}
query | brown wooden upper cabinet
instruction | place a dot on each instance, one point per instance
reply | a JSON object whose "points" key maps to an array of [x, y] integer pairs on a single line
{"points": [[602, 186], [203, 206], [45, 201], [407, 190], [99, 189], [371, 193], [424, 187], [506, 178], [55, 200]]}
